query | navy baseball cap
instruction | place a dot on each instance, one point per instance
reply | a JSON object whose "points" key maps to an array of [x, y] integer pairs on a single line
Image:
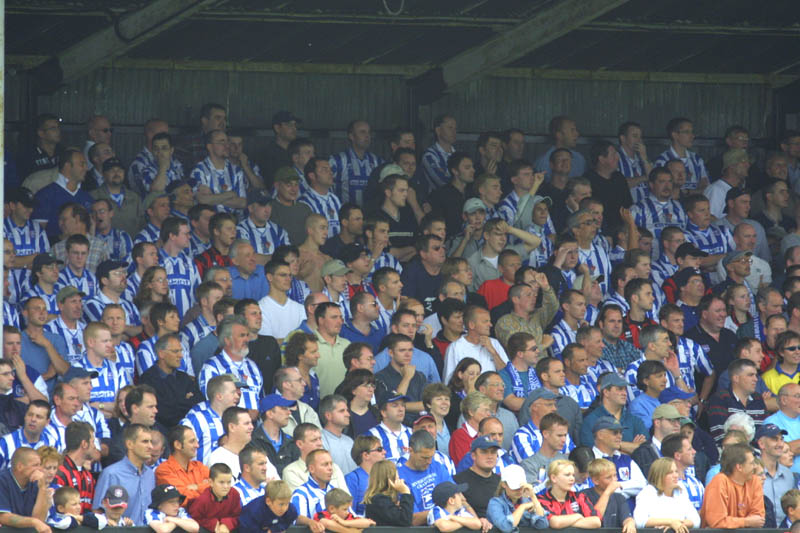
{"points": [[77, 372], [769, 430], [392, 397], [257, 196], [483, 443], [673, 393], [542, 394], [274, 400], [112, 162], [21, 195], [446, 490], [682, 278]]}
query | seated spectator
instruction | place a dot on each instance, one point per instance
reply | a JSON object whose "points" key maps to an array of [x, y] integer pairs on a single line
{"points": [[181, 470], [307, 498], [734, 498], [605, 496], [238, 430], [308, 439], [388, 500], [664, 502], [275, 512], [516, 504], [525, 316], [607, 443], [489, 354], [337, 515], [528, 438], [787, 416], [366, 453], [358, 388], [336, 417], [218, 507], [256, 471], [394, 436], [396, 380], [665, 421], [724, 403], [222, 393], [449, 511], [566, 507], [285, 314], [787, 348], [422, 474], [290, 385], [166, 510], [474, 408], [554, 430], [271, 436], [24, 498], [778, 479]]}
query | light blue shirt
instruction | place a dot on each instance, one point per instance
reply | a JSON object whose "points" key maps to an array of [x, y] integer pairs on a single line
{"points": [[792, 426], [139, 484]]}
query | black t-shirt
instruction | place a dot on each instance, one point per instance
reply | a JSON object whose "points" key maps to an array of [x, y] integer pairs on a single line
{"points": [[402, 231], [617, 510], [614, 193], [481, 489]]}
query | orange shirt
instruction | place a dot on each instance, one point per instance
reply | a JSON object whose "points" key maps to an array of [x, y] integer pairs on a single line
{"points": [[171, 472], [726, 504]]}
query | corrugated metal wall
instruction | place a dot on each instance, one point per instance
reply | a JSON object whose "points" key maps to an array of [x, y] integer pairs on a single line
{"points": [[327, 102]]}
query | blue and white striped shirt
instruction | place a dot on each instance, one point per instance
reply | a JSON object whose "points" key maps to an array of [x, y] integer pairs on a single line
{"points": [[126, 361], [713, 240], [264, 239], [583, 394], [616, 298], [94, 418], [150, 233], [16, 439], [630, 167], [630, 376], [108, 381], [73, 338], [245, 371], [229, 178], [393, 443], [10, 315], [385, 260], [86, 282], [661, 269], [182, 277], [119, 244], [562, 334], [692, 358], [93, 309], [144, 169], [248, 493], [383, 322], [596, 258], [19, 281], [49, 299], [541, 254], [27, 239], [309, 498], [351, 174], [528, 440], [434, 165], [154, 515], [438, 513], [196, 245], [196, 330], [655, 215], [207, 425], [694, 489], [640, 192], [327, 205], [134, 280], [695, 167], [299, 291], [146, 357], [594, 372]]}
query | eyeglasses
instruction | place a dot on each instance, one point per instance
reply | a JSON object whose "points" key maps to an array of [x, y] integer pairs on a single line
{"points": [[378, 449], [791, 348], [9, 373]]}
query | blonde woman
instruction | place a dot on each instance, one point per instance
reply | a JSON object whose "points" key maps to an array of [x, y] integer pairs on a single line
{"points": [[567, 508], [663, 502], [388, 500]]}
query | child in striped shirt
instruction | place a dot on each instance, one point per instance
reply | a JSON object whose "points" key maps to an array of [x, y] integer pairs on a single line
{"points": [[449, 512], [338, 516]]}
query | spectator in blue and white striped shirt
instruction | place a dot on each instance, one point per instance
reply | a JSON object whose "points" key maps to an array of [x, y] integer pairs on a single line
{"points": [[434, 159], [108, 379], [33, 434], [27, 236], [215, 180], [320, 197], [156, 207], [633, 162], [681, 133], [222, 393], [208, 293], [182, 273], [112, 283], [352, 168], [234, 335]]}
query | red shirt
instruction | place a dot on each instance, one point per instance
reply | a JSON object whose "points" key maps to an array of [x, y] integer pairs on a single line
{"points": [[574, 502], [207, 511], [211, 258], [69, 475], [631, 329], [460, 443], [495, 291]]}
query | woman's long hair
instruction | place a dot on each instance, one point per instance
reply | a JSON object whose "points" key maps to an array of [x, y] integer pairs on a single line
{"points": [[456, 383], [380, 475], [145, 293]]}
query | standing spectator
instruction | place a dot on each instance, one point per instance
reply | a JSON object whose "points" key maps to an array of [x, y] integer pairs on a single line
{"points": [[287, 212], [80, 450], [608, 184], [66, 189], [680, 132], [215, 180], [275, 156], [131, 472], [448, 200], [565, 134], [434, 159], [351, 169], [734, 498]]}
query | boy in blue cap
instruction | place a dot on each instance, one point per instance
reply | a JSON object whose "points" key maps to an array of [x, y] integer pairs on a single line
{"points": [[449, 512]]}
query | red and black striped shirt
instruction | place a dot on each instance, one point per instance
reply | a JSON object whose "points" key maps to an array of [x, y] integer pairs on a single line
{"points": [[211, 258], [70, 475], [631, 330], [573, 503]]}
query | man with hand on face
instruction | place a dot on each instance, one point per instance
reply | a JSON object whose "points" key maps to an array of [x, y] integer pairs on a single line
{"points": [[215, 180], [28, 507]]}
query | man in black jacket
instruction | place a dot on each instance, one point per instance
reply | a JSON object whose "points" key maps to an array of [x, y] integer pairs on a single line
{"points": [[666, 422], [269, 435], [176, 390]]}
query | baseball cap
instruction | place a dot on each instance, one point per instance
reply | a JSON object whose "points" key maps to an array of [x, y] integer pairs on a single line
{"points": [[682, 278], [730, 257], [546, 199], [472, 205], [68, 292], [274, 400], [112, 162], [21, 195], [769, 430], [445, 491], [483, 443], [513, 476], [152, 197], [351, 252], [688, 421], [257, 196], [42, 260], [164, 493], [542, 394], [116, 496], [688, 248], [77, 372], [390, 170], [734, 156], [612, 380], [286, 174], [284, 116], [732, 194], [423, 416], [107, 266], [334, 267], [392, 397], [667, 411], [607, 422], [673, 393]]}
